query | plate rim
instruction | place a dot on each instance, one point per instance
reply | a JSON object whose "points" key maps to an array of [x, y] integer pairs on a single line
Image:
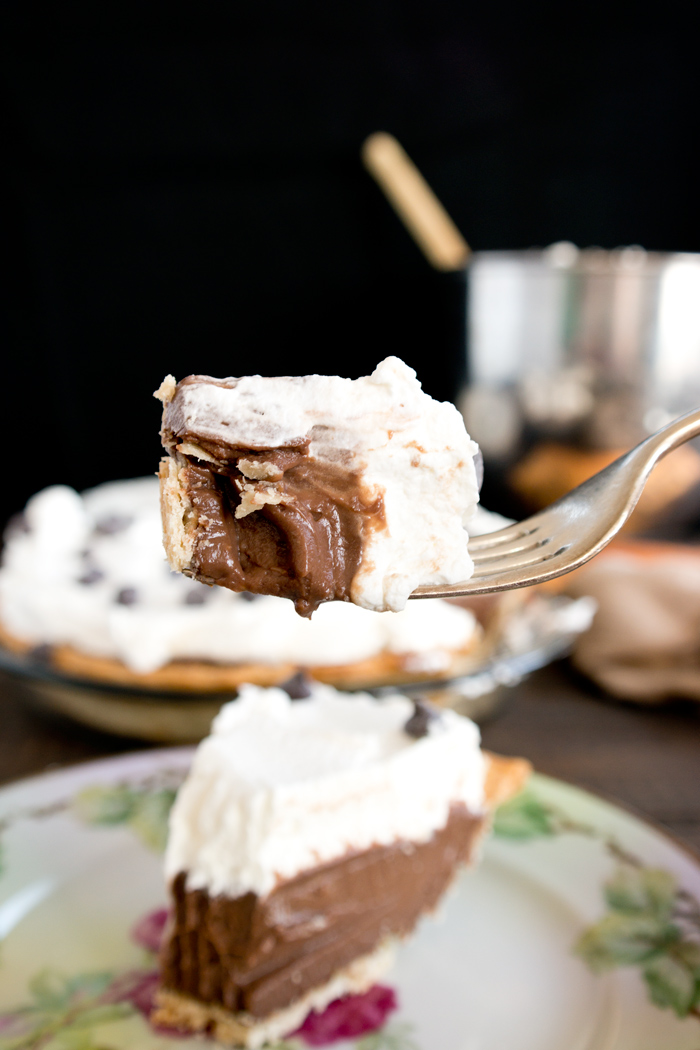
{"points": [[626, 808]]}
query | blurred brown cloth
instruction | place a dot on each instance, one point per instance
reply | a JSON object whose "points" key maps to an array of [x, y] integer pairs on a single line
{"points": [[644, 643]]}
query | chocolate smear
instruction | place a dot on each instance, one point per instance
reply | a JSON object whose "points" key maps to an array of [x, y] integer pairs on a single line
{"points": [[418, 724]]}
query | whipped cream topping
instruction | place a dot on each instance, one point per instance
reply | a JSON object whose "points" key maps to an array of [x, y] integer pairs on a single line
{"points": [[281, 786], [90, 571], [404, 447]]}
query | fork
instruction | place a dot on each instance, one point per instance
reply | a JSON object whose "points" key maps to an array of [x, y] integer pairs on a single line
{"points": [[568, 533]]}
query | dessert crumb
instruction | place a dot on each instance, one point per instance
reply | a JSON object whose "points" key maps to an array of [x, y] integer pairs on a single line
{"points": [[166, 390]]}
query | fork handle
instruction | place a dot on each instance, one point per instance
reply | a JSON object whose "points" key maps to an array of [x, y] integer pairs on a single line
{"points": [[658, 445]]}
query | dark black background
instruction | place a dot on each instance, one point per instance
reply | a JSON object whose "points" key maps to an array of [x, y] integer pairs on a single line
{"points": [[184, 192]]}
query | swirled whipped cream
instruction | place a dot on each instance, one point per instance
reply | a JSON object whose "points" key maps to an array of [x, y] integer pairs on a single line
{"points": [[89, 571], [317, 487], [281, 786]]}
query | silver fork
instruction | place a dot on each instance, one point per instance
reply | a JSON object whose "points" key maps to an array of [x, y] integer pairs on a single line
{"points": [[572, 530]]}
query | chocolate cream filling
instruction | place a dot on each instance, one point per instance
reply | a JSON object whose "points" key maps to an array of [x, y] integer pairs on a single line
{"points": [[260, 954], [273, 521]]}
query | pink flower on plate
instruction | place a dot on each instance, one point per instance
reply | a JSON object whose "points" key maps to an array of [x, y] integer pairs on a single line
{"points": [[148, 931], [137, 987], [349, 1017], [15, 1025]]}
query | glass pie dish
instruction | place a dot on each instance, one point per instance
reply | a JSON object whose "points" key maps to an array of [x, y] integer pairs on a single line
{"points": [[531, 633]]}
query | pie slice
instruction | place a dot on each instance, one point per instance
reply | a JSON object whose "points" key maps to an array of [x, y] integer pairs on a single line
{"points": [[309, 838], [317, 488]]}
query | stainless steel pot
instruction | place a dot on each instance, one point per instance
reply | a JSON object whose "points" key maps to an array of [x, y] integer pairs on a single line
{"points": [[600, 347]]}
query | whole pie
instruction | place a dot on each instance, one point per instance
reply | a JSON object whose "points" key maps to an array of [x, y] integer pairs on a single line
{"points": [[84, 581]]}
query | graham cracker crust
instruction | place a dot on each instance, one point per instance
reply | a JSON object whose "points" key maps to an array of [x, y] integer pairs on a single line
{"points": [[193, 676], [176, 1010], [505, 778]]}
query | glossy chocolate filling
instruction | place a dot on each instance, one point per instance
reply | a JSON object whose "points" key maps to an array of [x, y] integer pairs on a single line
{"points": [[303, 542], [260, 954], [307, 549]]}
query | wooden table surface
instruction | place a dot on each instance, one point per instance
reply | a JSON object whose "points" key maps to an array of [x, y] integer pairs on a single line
{"points": [[646, 758]]}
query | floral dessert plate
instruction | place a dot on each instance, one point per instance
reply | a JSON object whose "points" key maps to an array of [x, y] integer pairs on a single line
{"points": [[580, 929]]}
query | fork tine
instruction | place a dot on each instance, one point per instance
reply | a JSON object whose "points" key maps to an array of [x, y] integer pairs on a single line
{"points": [[531, 558], [517, 531], [569, 532], [528, 542]]}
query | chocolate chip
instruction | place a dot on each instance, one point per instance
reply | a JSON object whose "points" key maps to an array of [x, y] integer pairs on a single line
{"points": [[418, 724], [91, 576], [111, 524], [127, 596], [298, 687], [247, 596], [198, 597]]}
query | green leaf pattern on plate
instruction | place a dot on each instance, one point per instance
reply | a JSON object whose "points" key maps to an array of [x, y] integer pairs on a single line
{"points": [[672, 980], [642, 891], [396, 1036], [143, 806], [527, 817], [145, 810], [524, 817], [62, 1013], [625, 940], [651, 922]]}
